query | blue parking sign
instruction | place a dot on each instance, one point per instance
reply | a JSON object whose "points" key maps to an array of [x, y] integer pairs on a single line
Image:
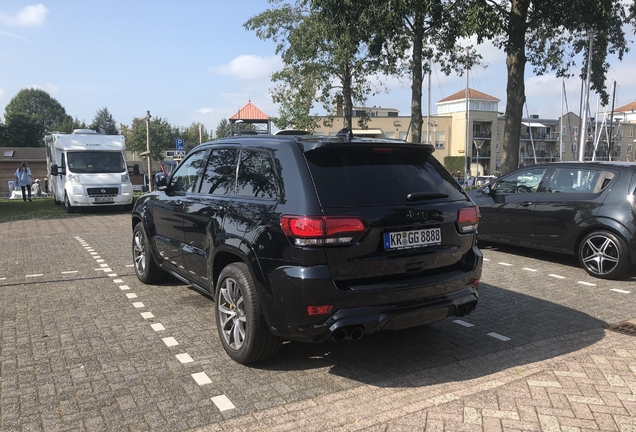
{"points": [[180, 144]]}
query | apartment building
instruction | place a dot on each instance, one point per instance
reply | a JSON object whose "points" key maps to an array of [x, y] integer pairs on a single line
{"points": [[477, 120]]}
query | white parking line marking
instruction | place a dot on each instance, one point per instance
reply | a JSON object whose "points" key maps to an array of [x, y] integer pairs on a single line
{"points": [[505, 264], [130, 265], [93, 253], [157, 327], [170, 341], [124, 287], [202, 378], [34, 275], [70, 272], [529, 269], [556, 276], [101, 260], [184, 358], [498, 336], [108, 269], [3, 278], [138, 305], [112, 274], [620, 291], [97, 257], [118, 281], [147, 315], [486, 259], [463, 323], [223, 403], [102, 265], [131, 295], [586, 283]]}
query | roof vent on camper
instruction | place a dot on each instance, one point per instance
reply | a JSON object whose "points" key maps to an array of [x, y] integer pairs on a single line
{"points": [[534, 116], [83, 131]]}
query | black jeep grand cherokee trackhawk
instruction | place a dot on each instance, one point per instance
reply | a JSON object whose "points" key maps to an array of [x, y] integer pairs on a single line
{"points": [[307, 238]]}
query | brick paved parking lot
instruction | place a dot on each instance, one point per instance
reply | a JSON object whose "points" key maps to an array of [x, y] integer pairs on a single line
{"points": [[86, 347]]}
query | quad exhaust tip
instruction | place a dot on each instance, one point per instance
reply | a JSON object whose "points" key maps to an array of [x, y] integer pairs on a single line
{"points": [[348, 333]]}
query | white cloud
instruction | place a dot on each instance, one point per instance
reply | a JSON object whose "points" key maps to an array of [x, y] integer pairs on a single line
{"points": [[1, 93], [29, 16], [249, 67], [205, 110], [13, 36]]}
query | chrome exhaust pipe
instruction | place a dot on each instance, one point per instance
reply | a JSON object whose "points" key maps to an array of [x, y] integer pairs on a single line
{"points": [[356, 333], [339, 335]]}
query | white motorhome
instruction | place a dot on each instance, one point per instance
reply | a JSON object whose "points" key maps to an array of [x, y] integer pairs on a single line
{"points": [[88, 169]]}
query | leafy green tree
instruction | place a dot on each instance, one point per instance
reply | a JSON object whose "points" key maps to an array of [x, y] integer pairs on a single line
{"points": [[222, 129], [23, 130], [162, 136], [104, 119], [69, 124], [325, 57], [190, 135], [548, 35], [36, 102]]}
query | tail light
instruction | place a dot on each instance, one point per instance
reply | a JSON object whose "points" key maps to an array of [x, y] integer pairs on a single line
{"points": [[468, 219], [321, 230]]}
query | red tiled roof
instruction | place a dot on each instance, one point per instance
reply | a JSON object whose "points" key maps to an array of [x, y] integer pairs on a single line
{"points": [[630, 107], [249, 112], [472, 94]]}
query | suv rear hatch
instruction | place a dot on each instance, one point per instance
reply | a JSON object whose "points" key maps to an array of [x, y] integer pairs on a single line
{"points": [[418, 224]]}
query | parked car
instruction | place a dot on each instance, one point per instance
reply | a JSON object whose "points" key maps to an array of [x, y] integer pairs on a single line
{"points": [[586, 209], [308, 238]]}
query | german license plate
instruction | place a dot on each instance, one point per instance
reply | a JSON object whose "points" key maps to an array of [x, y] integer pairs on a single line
{"points": [[104, 199], [412, 239]]}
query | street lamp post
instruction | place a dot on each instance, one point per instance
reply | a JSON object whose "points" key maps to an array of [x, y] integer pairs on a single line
{"points": [[147, 152], [583, 131]]}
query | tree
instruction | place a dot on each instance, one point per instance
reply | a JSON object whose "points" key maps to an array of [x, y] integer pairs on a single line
{"points": [[412, 32], [162, 136], [104, 119], [222, 129], [36, 102], [548, 35], [69, 124], [325, 57], [23, 130], [190, 135]]}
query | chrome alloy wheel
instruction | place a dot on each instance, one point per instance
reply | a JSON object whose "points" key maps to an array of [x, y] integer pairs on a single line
{"points": [[600, 254], [139, 252], [231, 309]]}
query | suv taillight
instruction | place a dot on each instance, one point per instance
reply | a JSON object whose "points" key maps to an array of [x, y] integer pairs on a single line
{"points": [[468, 219], [321, 230]]}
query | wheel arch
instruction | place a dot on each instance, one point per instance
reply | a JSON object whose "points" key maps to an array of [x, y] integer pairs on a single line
{"points": [[601, 224]]}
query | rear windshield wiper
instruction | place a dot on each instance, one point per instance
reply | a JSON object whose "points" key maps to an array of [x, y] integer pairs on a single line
{"points": [[419, 196]]}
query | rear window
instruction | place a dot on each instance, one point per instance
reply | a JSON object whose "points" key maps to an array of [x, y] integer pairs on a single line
{"points": [[362, 175]]}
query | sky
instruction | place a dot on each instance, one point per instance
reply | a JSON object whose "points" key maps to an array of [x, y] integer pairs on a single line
{"points": [[192, 61]]}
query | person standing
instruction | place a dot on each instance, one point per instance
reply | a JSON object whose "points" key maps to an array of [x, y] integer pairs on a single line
{"points": [[23, 174]]}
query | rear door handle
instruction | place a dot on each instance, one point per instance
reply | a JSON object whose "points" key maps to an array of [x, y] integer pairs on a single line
{"points": [[178, 203]]}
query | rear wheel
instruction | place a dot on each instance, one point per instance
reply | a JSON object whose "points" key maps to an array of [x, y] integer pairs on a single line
{"points": [[604, 255], [239, 319], [146, 268]]}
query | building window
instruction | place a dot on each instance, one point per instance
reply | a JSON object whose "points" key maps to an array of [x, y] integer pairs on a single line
{"points": [[620, 133], [439, 144], [497, 147], [498, 129], [563, 130], [631, 133]]}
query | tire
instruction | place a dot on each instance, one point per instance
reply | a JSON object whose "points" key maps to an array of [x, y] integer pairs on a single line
{"points": [[604, 255], [239, 319], [146, 268], [67, 205]]}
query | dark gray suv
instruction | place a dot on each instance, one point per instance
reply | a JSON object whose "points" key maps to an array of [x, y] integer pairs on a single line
{"points": [[309, 238]]}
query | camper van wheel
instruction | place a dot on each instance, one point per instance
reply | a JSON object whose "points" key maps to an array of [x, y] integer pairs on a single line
{"points": [[67, 205]]}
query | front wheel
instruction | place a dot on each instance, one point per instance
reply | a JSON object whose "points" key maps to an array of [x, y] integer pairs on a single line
{"points": [[67, 205], [239, 319], [604, 255], [146, 268]]}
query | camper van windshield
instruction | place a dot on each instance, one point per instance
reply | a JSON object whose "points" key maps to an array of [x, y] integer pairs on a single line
{"points": [[95, 162]]}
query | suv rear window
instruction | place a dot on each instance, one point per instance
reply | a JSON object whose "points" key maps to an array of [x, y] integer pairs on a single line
{"points": [[381, 174]]}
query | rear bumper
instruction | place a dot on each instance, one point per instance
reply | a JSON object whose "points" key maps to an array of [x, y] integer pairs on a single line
{"points": [[384, 306]]}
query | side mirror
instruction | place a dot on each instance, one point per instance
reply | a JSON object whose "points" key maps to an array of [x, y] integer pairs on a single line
{"points": [[486, 190], [136, 169], [161, 180], [57, 170]]}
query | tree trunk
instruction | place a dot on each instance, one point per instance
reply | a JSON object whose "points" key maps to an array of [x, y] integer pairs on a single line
{"points": [[416, 85], [346, 97], [515, 90]]}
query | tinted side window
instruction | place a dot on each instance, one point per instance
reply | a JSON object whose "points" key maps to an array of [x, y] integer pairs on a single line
{"points": [[256, 175], [579, 180], [362, 175], [220, 173], [526, 181], [184, 178]]}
